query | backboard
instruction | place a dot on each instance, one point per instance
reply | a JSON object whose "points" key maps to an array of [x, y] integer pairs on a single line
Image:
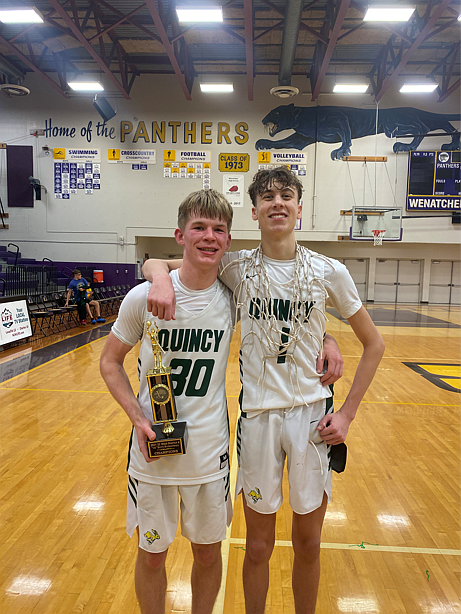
{"points": [[367, 220]]}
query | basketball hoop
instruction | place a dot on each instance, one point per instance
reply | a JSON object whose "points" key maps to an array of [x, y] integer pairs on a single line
{"points": [[378, 236]]}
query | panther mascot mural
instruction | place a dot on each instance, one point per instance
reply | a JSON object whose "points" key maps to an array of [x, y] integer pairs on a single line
{"points": [[342, 124]]}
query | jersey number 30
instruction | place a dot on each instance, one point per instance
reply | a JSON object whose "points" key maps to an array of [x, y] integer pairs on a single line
{"points": [[195, 385]]}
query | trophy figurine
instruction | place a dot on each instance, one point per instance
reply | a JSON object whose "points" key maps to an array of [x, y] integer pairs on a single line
{"points": [[171, 436]]}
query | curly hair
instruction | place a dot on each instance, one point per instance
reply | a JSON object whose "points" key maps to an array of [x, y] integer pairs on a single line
{"points": [[280, 176]]}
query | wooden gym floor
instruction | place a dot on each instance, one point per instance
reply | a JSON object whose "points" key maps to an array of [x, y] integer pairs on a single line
{"points": [[391, 539]]}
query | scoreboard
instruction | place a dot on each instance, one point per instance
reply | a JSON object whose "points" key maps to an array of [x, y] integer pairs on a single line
{"points": [[434, 181]]}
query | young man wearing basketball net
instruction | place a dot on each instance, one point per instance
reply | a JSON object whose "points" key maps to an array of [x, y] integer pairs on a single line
{"points": [[281, 289]]}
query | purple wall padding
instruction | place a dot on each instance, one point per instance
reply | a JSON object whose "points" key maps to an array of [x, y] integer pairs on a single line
{"points": [[20, 167], [114, 274]]}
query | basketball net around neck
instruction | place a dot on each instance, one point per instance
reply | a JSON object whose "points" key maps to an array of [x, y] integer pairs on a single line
{"points": [[253, 295]]}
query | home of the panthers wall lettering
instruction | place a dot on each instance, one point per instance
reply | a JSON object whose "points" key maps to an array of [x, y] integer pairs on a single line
{"points": [[204, 133], [342, 124], [185, 132]]}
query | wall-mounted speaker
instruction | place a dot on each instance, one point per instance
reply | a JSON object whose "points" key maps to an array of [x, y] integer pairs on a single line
{"points": [[103, 108]]}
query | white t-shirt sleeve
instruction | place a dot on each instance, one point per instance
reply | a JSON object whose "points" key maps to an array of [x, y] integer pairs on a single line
{"points": [[230, 270], [342, 293], [129, 325]]}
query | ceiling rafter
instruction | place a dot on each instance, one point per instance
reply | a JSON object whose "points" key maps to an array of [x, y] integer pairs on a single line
{"points": [[115, 25], [102, 49], [60, 72], [450, 91], [129, 20], [181, 35], [117, 48], [180, 46], [279, 24], [249, 50], [448, 72], [84, 42], [168, 48], [454, 50], [230, 31], [328, 52], [32, 66], [75, 13], [429, 23], [34, 25], [302, 25]]}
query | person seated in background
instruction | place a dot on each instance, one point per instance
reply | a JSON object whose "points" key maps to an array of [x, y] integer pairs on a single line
{"points": [[78, 287], [94, 303]]}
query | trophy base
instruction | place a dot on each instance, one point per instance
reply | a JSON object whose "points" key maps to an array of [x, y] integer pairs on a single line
{"points": [[168, 446]]}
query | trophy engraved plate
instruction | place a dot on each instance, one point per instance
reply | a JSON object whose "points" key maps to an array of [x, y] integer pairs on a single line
{"points": [[171, 436]]}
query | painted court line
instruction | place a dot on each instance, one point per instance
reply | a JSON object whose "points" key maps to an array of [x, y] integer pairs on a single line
{"points": [[3, 387], [236, 396], [225, 545], [357, 547]]}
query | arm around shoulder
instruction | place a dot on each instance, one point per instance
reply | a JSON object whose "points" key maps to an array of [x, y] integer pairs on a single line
{"points": [[161, 300], [155, 266]]}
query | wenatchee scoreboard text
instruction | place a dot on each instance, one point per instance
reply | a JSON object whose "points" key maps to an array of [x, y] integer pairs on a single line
{"points": [[434, 181]]}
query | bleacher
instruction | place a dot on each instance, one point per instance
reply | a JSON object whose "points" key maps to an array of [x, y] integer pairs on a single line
{"points": [[46, 288]]}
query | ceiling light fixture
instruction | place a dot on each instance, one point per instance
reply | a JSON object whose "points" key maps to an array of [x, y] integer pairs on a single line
{"points": [[418, 88], [20, 16], [196, 14], [217, 87], [389, 13], [350, 88], [85, 86]]}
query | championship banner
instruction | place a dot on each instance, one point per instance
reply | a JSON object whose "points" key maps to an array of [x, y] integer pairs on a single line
{"points": [[130, 156], [61, 153]]}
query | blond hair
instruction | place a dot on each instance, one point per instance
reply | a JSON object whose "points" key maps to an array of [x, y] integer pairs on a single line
{"points": [[205, 203]]}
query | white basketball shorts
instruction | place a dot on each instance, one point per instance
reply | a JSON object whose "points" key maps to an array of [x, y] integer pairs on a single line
{"points": [[264, 442], [206, 511]]}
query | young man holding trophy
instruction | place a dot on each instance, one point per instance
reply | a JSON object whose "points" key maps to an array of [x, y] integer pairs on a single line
{"points": [[186, 460], [281, 290]]}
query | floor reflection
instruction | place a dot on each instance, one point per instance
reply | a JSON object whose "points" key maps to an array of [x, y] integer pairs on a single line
{"points": [[20, 364]]}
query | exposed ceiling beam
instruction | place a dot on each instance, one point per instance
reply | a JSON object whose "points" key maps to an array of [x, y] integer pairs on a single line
{"points": [[129, 20], [168, 48], [119, 22], [279, 24], [84, 42], [302, 25], [173, 40], [450, 91], [101, 42], [454, 50], [32, 66], [34, 25], [116, 47], [248, 15], [414, 47], [230, 31], [341, 14], [360, 25]]}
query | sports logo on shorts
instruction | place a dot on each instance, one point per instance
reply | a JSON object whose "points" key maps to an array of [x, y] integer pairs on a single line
{"points": [[255, 495], [151, 536]]}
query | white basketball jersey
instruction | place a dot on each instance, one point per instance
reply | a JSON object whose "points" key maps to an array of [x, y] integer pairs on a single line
{"points": [[196, 347], [273, 380]]}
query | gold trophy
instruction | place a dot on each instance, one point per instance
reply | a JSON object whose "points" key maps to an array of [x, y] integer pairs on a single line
{"points": [[171, 436]]}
